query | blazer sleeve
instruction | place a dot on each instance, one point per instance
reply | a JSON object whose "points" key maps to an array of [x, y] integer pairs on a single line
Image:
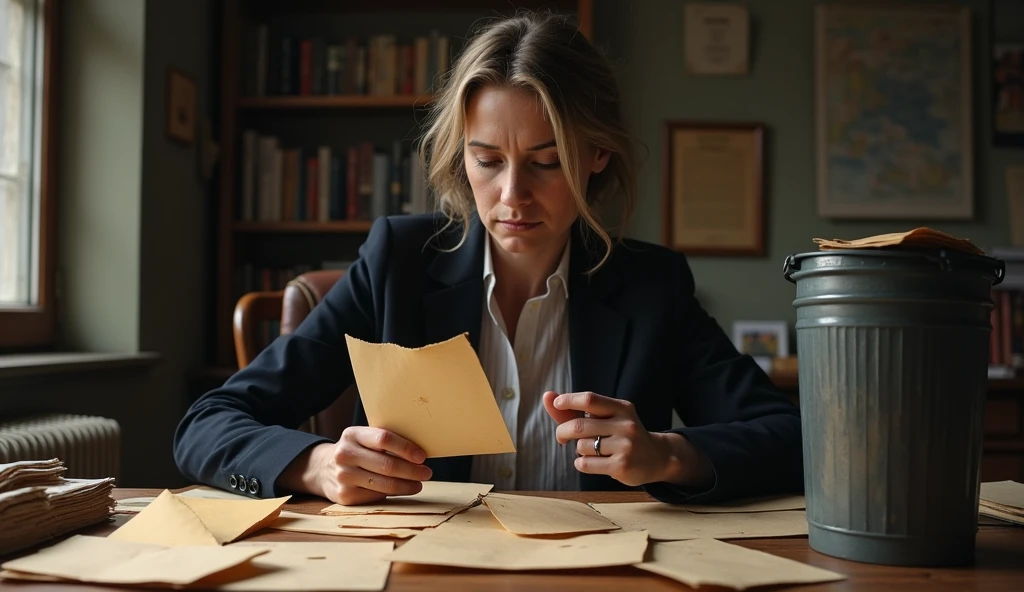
{"points": [[732, 411], [247, 427]]}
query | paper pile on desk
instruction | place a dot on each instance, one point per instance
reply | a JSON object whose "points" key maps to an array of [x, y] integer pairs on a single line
{"points": [[704, 562], [42, 505], [173, 520], [102, 560], [1003, 500], [665, 522], [395, 517], [476, 539]]}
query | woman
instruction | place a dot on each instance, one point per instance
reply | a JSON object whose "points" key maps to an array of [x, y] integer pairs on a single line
{"points": [[588, 343]]}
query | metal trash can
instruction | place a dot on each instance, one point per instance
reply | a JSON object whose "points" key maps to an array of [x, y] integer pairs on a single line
{"points": [[893, 349]]}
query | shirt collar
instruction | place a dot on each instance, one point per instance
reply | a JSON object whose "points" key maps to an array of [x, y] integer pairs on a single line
{"points": [[561, 272]]}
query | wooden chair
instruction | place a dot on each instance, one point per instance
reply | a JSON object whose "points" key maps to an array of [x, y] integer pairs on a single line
{"points": [[290, 306]]}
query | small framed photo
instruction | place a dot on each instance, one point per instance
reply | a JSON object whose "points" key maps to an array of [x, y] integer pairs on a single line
{"points": [[717, 38], [181, 106], [762, 340]]}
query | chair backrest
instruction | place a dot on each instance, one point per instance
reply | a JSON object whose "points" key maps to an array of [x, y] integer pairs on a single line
{"points": [[291, 306]]}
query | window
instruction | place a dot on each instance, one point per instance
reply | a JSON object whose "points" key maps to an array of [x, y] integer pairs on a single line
{"points": [[27, 167]]}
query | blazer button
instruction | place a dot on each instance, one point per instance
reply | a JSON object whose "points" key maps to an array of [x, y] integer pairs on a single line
{"points": [[254, 486], [233, 481], [241, 482]]}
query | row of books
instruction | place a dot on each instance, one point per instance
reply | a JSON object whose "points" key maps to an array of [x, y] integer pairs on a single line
{"points": [[320, 183], [379, 65], [1006, 342]]}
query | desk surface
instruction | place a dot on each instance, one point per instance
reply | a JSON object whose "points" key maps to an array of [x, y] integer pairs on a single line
{"points": [[999, 564]]}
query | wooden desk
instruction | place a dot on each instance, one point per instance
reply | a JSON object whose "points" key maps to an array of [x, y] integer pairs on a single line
{"points": [[999, 565]]}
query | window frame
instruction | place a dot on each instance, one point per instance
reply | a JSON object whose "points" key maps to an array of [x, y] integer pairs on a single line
{"points": [[36, 326]]}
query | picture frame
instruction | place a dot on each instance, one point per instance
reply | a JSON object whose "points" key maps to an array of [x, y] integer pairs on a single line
{"points": [[716, 39], [1008, 94], [893, 95], [713, 188], [181, 106], [762, 340]]}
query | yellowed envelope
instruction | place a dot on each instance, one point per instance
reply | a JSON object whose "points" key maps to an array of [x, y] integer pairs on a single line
{"points": [[109, 561], [709, 562], [436, 497], [485, 544], [295, 522], [310, 566], [174, 520], [436, 396], [1004, 516], [532, 515], [666, 522], [1009, 494], [772, 503], [391, 520]]}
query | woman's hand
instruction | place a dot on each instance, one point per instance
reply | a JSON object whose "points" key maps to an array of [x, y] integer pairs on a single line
{"points": [[365, 465], [628, 452]]}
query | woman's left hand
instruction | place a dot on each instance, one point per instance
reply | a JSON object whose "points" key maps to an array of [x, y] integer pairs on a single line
{"points": [[627, 452]]}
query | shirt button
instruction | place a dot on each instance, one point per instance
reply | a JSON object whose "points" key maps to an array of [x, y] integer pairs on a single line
{"points": [[508, 393], [505, 472]]}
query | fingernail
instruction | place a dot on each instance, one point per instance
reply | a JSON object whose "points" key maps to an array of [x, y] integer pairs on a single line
{"points": [[419, 456], [558, 401]]}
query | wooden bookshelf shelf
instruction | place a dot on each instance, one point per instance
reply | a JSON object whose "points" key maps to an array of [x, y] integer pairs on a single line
{"points": [[334, 102], [337, 226]]}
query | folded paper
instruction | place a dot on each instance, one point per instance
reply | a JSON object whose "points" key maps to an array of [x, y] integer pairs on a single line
{"points": [[296, 522], [436, 396], [531, 515], [918, 238], [101, 560], [475, 539], [175, 520], [666, 522], [436, 497], [1008, 494], [709, 562]]}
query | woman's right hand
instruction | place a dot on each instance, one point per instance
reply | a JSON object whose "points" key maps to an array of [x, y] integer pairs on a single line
{"points": [[366, 465]]}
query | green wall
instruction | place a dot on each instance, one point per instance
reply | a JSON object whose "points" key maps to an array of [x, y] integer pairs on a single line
{"points": [[133, 231], [645, 39], [100, 161]]}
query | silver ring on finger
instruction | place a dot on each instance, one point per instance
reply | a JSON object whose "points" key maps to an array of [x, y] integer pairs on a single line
{"points": [[597, 446]]}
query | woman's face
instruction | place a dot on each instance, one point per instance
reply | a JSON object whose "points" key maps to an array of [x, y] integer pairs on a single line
{"points": [[511, 159]]}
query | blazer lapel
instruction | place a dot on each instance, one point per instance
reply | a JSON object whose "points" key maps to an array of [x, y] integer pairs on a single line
{"points": [[455, 307], [597, 332], [597, 337]]}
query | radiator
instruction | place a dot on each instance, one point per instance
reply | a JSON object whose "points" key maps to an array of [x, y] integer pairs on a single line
{"points": [[89, 446]]}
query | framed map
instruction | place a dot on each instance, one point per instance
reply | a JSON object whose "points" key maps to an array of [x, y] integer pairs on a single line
{"points": [[893, 86]]}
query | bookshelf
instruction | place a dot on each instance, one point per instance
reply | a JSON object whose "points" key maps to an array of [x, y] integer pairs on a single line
{"points": [[320, 102]]}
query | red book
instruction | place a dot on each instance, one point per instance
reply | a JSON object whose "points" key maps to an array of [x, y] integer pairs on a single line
{"points": [[306, 67]]}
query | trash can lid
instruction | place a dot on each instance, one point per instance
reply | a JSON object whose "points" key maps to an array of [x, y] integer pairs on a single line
{"points": [[945, 260]]}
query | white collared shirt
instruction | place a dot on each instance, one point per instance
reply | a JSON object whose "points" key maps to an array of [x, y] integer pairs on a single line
{"points": [[519, 374]]}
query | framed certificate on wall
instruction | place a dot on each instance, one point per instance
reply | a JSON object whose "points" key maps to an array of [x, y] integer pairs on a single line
{"points": [[713, 188]]}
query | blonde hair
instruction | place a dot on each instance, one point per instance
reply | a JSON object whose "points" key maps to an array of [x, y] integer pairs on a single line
{"points": [[548, 56]]}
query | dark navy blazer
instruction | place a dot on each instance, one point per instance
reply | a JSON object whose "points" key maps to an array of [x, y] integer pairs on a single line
{"points": [[636, 332]]}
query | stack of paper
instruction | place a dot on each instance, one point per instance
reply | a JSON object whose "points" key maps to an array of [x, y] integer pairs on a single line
{"points": [[395, 517], [1003, 500], [775, 517], [176, 520], [44, 505], [476, 539]]}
